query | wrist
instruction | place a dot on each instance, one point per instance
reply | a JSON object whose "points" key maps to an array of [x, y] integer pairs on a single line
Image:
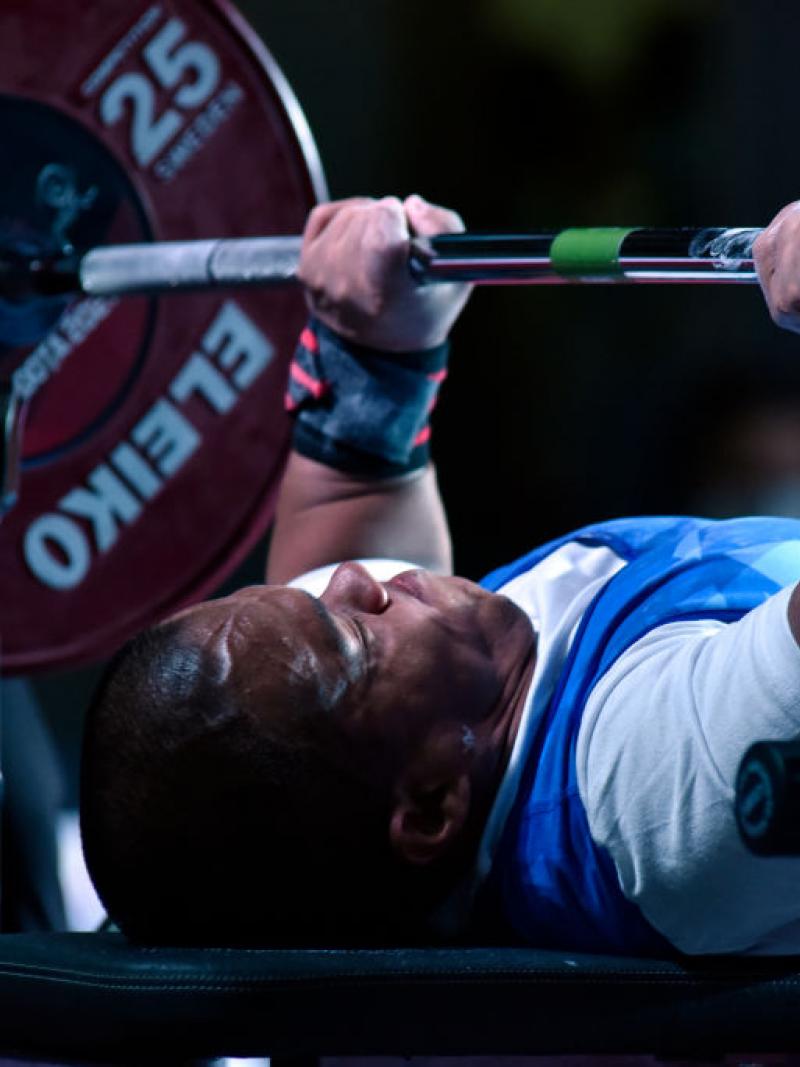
{"points": [[360, 409], [406, 336]]}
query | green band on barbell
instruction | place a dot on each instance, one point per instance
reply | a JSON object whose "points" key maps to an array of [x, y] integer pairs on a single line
{"points": [[588, 250]]}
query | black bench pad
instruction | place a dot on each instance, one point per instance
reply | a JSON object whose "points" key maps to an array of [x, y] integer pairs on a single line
{"points": [[94, 996]]}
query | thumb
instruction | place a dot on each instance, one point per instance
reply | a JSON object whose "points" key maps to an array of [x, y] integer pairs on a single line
{"points": [[426, 219]]}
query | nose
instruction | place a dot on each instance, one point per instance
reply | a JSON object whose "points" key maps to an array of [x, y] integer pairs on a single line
{"points": [[352, 586]]}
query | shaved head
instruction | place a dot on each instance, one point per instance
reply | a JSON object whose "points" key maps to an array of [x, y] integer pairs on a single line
{"points": [[223, 807]]}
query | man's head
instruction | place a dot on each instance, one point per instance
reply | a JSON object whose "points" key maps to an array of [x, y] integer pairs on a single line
{"points": [[275, 768]]}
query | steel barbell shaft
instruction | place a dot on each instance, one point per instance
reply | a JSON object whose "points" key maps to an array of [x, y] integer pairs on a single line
{"points": [[590, 255], [587, 255]]}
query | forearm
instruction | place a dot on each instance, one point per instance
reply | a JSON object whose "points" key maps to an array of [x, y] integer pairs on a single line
{"points": [[362, 386], [326, 516]]}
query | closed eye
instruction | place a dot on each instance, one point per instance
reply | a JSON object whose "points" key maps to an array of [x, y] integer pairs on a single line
{"points": [[365, 638], [348, 632], [363, 633]]}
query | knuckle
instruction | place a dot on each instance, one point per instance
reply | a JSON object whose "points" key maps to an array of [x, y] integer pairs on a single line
{"points": [[384, 220], [786, 305], [316, 216], [351, 211], [762, 245], [382, 237], [305, 269]]}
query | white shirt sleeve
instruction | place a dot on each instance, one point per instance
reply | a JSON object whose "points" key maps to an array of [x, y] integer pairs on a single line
{"points": [[660, 744]]}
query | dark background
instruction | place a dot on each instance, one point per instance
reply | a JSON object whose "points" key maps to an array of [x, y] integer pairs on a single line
{"points": [[544, 113], [564, 405]]}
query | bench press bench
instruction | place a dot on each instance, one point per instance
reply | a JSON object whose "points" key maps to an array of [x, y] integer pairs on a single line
{"points": [[94, 997]]}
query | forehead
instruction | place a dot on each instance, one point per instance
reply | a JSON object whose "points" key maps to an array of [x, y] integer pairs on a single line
{"points": [[254, 606], [273, 635]]}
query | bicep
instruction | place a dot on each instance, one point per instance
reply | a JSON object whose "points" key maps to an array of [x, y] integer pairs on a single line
{"points": [[793, 613], [663, 736]]}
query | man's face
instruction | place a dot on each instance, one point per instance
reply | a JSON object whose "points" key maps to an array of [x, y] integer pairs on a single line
{"points": [[391, 660]]}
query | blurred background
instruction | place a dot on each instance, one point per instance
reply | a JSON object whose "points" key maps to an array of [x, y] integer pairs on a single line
{"points": [[567, 405]]}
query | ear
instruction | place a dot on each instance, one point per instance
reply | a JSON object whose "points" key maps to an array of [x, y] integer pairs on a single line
{"points": [[427, 819]]}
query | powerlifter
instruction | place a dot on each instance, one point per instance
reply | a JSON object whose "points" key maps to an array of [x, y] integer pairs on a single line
{"points": [[376, 751]]}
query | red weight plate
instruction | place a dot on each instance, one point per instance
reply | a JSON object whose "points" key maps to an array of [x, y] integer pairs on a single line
{"points": [[155, 435]]}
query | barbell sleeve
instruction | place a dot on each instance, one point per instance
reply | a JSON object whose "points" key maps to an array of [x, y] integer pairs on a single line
{"points": [[173, 266]]}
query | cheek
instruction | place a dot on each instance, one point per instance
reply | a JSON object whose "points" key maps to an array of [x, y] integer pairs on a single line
{"points": [[447, 662], [462, 679], [497, 616], [313, 676]]}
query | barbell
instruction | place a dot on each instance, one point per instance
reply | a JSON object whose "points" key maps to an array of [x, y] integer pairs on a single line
{"points": [[586, 255], [149, 433]]}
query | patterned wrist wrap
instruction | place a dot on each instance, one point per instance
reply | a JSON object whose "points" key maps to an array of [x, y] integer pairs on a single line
{"points": [[361, 410]]}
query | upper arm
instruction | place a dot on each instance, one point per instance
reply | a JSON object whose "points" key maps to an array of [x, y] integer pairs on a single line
{"points": [[662, 738], [793, 613]]}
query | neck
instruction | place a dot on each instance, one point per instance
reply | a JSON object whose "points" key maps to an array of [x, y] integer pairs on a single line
{"points": [[520, 684], [503, 734]]}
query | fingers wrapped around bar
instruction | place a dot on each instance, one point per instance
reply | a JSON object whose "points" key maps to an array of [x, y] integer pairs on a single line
{"points": [[354, 265], [776, 253]]}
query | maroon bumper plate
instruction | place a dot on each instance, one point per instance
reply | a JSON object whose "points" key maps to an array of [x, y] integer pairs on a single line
{"points": [[155, 435]]}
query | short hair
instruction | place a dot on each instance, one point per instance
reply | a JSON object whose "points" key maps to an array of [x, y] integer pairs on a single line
{"points": [[209, 819]]}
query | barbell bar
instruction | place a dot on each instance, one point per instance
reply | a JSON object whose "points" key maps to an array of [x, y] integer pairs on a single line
{"points": [[586, 255]]}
